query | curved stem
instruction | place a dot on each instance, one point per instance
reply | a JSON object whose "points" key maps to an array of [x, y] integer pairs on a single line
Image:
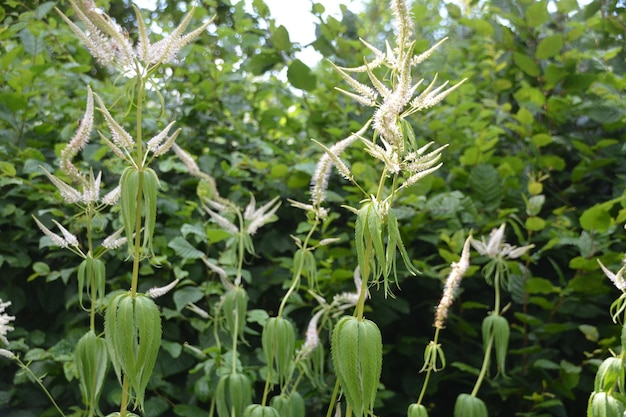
{"points": [[333, 399], [429, 370], [360, 307], [38, 381]]}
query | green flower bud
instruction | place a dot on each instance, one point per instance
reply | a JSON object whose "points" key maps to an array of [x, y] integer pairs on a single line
{"points": [[497, 327], [279, 341], [92, 364], [289, 406], [256, 410], [132, 326], [603, 404], [235, 307], [610, 373], [417, 410], [233, 393], [357, 352], [469, 406]]}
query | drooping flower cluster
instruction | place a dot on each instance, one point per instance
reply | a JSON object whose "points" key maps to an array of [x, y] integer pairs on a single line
{"points": [[616, 278], [110, 44]]}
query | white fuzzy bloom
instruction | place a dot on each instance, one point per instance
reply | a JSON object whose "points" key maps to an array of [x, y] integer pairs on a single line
{"points": [[187, 160], [156, 145], [157, 292], [452, 284], [69, 194], [319, 181], [56, 239], [71, 239], [617, 279], [496, 247], [78, 142], [311, 337], [114, 241], [5, 319], [260, 217], [112, 197], [91, 190], [119, 136], [222, 221], [7, 354]]}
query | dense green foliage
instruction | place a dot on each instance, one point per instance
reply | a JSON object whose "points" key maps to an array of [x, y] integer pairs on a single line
{"points": [[537, 139]]}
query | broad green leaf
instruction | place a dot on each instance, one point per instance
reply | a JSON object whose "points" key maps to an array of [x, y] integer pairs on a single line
{"points": [[280, 38], [537, 14], [486, 185], [184, 249], [596, 218], [539, 286], [549, 46], [186, 295], [526, 64], [301, 76]]}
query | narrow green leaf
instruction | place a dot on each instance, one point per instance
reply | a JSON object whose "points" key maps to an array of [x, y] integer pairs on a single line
{"points": [[129, 183], [150, 186]]}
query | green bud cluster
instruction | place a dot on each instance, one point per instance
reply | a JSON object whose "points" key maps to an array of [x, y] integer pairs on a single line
{"points": [[279, 341], [233, 395], [357, 351]]}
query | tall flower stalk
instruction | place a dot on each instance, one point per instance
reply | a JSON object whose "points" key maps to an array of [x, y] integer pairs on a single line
{"points": [[389, 139], [132, 322]]}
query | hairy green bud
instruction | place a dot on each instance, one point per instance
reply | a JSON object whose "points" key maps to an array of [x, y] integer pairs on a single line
{"points": [[279, 341]]}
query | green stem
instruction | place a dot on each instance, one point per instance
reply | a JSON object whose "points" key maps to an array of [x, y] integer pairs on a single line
{"points": [[429, 370], [333, 399], [488, 348], [295, 281], [38, 381], [360, 306], [485, 366]]}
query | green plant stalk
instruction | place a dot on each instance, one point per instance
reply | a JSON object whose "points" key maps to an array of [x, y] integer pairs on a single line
{"points": [[27, 370], [360, 306], [137, 244], [295, 282], [333, 399], [488, 348], [428, 371]]}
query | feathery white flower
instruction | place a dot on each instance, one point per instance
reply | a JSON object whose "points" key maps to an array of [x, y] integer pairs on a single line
{"points": [[496, 247], [71, 239], [69, 194], [114, 241], [112, 197], [7, 354], [311, 336], [5, 319], [319, 181], [261, 216], [56, 239], [156, 292], [222, 221], [78, 141], [187, 160], [452, 284], [617, 279], [119, 136], [91, 189]]}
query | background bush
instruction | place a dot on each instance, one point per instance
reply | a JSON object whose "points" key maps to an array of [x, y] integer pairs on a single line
{"points": [[537, 138]]}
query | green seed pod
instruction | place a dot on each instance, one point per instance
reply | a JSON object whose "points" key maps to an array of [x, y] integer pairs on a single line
{"points": [[92, 364], [289, 405], [256, 410], [233, 395], [417, 410], [279, 341], [235, 307], [498, 327], [469, 406], [132, 326], [610, 373], [603, 404], [357, 352]]}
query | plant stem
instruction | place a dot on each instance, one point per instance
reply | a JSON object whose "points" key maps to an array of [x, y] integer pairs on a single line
{"points": [[38, 381], [364, 278], [333, 399], [428, 370]]}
